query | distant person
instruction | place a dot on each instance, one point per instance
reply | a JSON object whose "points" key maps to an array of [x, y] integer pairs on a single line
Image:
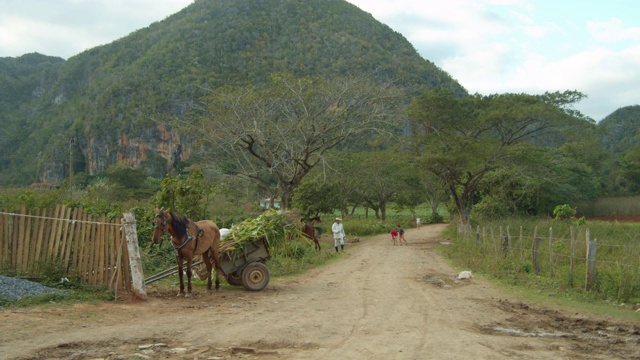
{"points": [[401, 235], [394, 236], [418, 223], [338, 234]]}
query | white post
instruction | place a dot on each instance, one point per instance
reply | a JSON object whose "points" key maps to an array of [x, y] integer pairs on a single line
{"points": [[137, 276]]}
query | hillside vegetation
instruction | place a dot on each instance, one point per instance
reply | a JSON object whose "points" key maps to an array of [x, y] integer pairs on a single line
{"points": [[126, 88]]}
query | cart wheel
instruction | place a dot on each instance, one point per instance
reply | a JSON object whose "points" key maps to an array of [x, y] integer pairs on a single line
{"points": [[255, 276], [234, 279]]}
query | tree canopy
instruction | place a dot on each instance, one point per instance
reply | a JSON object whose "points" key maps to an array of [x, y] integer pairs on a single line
{"points": [[276, 133], [462, 140]]}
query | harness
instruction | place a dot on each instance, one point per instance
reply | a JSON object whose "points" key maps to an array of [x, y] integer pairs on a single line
{"points": [[199, 232]]}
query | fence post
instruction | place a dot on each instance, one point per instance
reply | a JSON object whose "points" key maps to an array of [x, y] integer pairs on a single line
{"points": [[478, 235], [493, 242], [591, 261], [137, 276], [520, 244], [536, 255], [505, 243], [551, 269], [572, 258], [535, 251], [484, 240], [11, 242], [509, 242]]}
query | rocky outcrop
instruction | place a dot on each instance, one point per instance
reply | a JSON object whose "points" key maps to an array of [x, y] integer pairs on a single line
{"points": [[161, 140]]}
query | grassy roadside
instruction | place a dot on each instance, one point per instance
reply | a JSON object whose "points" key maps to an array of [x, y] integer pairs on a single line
{"points": [[520, 284]]}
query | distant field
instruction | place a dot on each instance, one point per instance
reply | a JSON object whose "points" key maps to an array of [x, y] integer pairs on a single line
{"points": [[611, 207], [616, 218]]}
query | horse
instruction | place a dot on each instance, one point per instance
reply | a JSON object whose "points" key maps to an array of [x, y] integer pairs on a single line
{"points": [[310, 231], [190, 238]]}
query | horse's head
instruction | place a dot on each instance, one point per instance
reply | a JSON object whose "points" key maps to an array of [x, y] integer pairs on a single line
{"points": [[160, 223]]}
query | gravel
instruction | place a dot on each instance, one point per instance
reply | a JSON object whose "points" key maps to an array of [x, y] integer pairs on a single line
{"points": [[15, 289]]}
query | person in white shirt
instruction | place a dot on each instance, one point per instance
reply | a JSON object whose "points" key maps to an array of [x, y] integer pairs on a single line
{"points": [[338, 234]]}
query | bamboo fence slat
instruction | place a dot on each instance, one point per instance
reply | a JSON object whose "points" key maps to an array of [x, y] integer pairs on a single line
{"points": [[58, 233], [4, 248], [19, 241], [23, 253], [40, 237], [65, 236], [38, 223], [112, 253], [83, 248], [71, 240], [69, 237], [102, 249], [52, 233]]}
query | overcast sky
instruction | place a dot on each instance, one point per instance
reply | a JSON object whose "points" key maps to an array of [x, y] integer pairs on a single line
{"points": [[488, 46]]}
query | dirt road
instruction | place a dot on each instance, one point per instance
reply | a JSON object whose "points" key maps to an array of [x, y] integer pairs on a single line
{"points": [[377, 301]]}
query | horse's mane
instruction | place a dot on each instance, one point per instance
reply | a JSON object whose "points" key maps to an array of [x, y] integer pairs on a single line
{"points": [[179, 224]]}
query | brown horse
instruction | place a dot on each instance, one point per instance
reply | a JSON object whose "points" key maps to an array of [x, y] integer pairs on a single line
{"points": [[189, 239], [310, 231]]}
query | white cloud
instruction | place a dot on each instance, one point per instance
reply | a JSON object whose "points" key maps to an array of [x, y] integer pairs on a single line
{"points": [[67, 27], [489, 46], [498, 46], [613, 31]]}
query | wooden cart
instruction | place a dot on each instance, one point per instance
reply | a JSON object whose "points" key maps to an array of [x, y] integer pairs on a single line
{"points": [[243, 267], [246, 267]]}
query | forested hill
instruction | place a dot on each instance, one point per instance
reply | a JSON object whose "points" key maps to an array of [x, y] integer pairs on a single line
{"points": [[621, 130], [109, 99]]}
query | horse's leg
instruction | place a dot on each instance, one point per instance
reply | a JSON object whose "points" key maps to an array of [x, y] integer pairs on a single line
{"points": [[189, 262], [180, 274], [207, 261], [216, 261], [315, 239]]}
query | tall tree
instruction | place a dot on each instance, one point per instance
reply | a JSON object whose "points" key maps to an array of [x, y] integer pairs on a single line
{"points": [[316, 196], [375, 178], [464, 139], [281, 130]]}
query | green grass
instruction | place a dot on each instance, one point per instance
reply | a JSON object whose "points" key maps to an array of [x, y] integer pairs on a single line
{"points": [[617, 261]]}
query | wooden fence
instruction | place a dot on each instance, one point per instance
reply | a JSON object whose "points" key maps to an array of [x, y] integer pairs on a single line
{"points": [[507, 246], [90, 248]]}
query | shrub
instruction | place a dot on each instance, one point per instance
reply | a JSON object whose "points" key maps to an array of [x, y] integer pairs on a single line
{"points": [[564, 212]]}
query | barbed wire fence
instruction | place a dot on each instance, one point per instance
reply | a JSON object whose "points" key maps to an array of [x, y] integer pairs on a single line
{"points": [[577, 258]]}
